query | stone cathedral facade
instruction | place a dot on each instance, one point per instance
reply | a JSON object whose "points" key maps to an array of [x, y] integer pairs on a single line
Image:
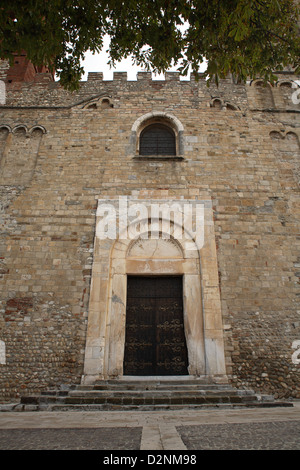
{"points": [[79, 303]]}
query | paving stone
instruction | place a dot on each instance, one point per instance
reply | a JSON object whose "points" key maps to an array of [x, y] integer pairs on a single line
{"points": [[282, 435], [71, 439]]}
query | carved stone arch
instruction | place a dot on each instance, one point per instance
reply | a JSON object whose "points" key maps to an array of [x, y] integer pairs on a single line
{"points": [[259, 83], [156, 117], [102, 102], [279, 135], [6, 127], [290, 135], [33, 129], [217, 103], [106, 102], [231, 107], [20, 128], [168, 227], [287, 84], [276, 135], [153, 263], [173, 120], [169, 247]]}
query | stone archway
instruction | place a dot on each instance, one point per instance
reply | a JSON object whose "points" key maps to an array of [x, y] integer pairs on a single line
{"points": [[114, 260], [156, 117], [155, 257]]}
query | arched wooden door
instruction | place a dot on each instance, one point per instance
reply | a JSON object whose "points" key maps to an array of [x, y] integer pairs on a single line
{"points": [[155, 341]]}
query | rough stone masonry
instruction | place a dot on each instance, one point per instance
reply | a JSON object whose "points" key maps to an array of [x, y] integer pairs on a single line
{"points": [[237, 146]]}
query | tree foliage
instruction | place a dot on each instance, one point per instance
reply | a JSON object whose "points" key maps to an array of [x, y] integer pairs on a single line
{"points": [[248, 38]]}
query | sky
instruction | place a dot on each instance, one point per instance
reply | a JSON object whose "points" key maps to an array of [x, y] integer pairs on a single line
{"points": [[98, 63]]}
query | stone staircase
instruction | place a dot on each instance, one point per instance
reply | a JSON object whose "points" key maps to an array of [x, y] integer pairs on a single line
{"points": [[144, 395]]}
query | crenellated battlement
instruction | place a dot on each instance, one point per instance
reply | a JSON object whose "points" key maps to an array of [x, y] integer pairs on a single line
{"points": [[42, 91], [145, 76]]}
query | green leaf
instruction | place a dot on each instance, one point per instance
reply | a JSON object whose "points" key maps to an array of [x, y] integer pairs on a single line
{"points": [[244, 37]]}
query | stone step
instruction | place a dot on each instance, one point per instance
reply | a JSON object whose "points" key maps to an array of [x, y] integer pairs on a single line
{"points": [[136, 399], [140, 394], [157, 393], [144, 407], [148, 389], [149, 386], [165, 390], [185, 380], [150, 398]]}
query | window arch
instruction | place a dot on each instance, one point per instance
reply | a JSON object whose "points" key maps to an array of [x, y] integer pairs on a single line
{"points": [[157, 134], [157, 139]]}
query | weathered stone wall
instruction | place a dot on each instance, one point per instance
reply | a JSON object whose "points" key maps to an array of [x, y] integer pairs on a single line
{"points": [[62, 151]]}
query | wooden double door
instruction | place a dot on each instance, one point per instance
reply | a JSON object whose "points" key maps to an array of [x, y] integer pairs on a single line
{"points": [[155, 341]]}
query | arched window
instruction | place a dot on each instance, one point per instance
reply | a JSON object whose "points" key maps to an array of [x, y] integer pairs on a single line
{"points": [[157, 134], [157, 139]]}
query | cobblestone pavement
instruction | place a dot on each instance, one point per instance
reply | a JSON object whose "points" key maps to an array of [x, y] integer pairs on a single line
{"points": [[281, 435], [71, 439], [184, 430]]}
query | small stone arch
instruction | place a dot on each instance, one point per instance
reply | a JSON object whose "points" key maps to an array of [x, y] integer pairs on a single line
{"points": [[20, 128], [286, 84], [37, 128], [292, 136], [5, 127], [231, 107], [156, 117], [281, 135], [276, 135], [259, 83], [104, 102], [219, 103]]}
